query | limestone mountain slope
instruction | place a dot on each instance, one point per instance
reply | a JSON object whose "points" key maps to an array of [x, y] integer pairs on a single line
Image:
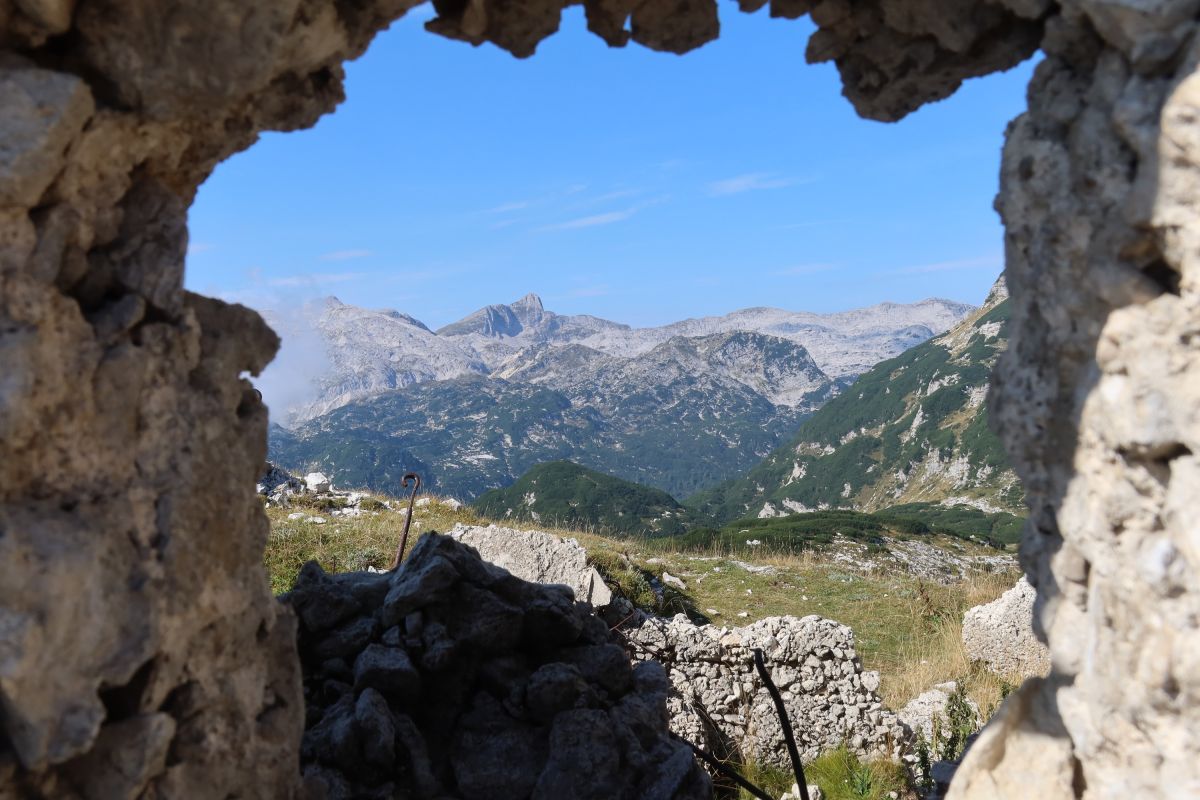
{"points": [[358, 353], [912, 429]]}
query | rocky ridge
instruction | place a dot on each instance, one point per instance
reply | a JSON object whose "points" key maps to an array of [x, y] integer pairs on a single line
{"points": [[371, 352], [123, 387], [911, 429]]}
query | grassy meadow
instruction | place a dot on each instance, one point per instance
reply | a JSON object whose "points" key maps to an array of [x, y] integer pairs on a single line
{"points": [[907, 629]]}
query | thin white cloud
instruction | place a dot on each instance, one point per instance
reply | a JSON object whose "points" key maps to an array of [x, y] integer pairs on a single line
{"points": [[750, 182], [616, 195], [317, 279], [802, 269], [505, 208], [345, 255], [607, 218], [990, 262], [199, 247]]}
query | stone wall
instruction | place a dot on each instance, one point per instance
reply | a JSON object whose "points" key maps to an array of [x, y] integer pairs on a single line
{"points": [[720, 703], [450, 677], [138, 644]]}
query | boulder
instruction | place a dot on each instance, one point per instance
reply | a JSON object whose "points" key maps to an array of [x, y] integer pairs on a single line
{"points": [[276, 483], [1000, 634], [317, 482], [928, 711], [538, 557]]}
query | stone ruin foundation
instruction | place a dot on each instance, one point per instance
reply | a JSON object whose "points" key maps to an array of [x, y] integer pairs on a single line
{"points": [[453, 678], [141, 654]]}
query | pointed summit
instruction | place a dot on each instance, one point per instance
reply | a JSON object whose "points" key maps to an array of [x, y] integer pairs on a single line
{"points": [[531, 301], [529, 310], [501, 320]]}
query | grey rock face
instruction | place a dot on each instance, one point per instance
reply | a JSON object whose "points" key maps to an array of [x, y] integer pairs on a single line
{"points": [[925, 715], [787, 357], [538, 557], [1000, 634], [719, 698], [488, 686]]}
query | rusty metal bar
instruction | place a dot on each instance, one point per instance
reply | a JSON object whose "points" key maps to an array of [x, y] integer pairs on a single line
{"points": [[727, 771], [789, 737], [412, 499]]}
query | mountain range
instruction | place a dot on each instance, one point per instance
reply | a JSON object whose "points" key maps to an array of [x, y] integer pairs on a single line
{"points": [[476, 403], [911, 430]]}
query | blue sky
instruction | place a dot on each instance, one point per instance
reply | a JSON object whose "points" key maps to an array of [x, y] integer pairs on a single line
{"points": [[638, 186]]}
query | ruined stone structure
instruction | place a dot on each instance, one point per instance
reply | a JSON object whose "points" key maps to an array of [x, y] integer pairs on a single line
{"points": [[720, 702], [140, 651], [451, 677]]}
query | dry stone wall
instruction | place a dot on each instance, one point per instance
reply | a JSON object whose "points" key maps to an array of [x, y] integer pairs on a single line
{"points": [[453, 678], [138, 645], [720, 703]]}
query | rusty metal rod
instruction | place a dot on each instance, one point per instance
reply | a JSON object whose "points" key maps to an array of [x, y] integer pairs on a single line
{"points": [[727, 771], [789, 737], [412, 499]]}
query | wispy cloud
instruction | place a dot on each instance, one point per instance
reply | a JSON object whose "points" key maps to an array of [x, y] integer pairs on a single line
{"points": [[345, 255], [618, 194], [199, 247], [993, 261], [750, 182], [317, 279], [607, 218], [802, 269], [506, 208]]}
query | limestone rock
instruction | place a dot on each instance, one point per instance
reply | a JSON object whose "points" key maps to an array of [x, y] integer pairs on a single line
{"points": [[814, 793], [538, 557], [479, 690], [719, 700], [926, 714], [1000, 634], [316, 482]]}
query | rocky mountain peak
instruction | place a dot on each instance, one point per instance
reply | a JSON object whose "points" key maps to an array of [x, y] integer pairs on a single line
{"points": [[500, 320], [529, 306]]}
